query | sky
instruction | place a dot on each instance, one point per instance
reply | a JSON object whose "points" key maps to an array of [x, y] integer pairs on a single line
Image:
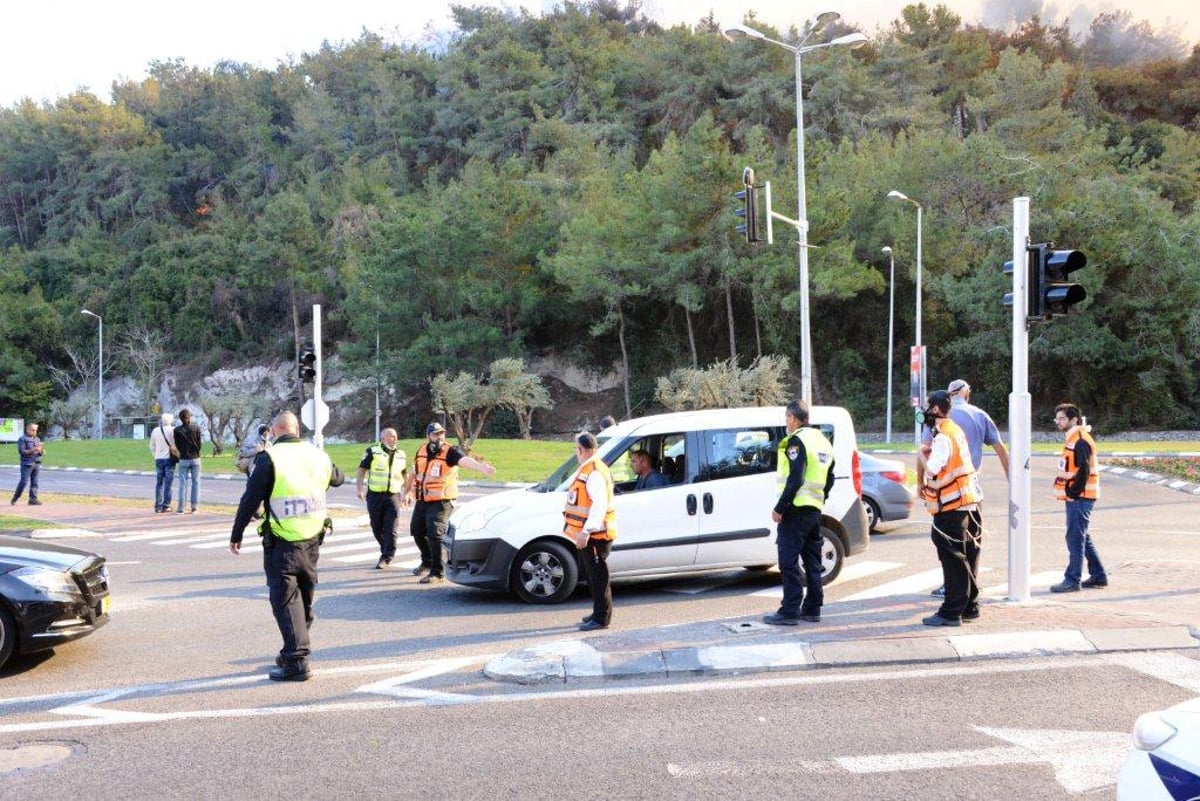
{"points": [[47, 52]]}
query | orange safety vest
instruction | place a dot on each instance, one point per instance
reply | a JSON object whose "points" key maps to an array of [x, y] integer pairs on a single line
{"points": [[579, 503], [957, 484], [1066, 464], [436, 479]]}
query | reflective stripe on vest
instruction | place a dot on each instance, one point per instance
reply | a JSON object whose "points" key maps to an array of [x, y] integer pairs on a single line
{"points": [[436, 479], [379, 478], [819, 457], [579, 503], [297, 503], [1066, 464], [956, 484]]}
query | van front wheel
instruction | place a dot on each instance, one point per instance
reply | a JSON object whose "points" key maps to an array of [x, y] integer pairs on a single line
{"points": [[833, 556], [544, 572]]}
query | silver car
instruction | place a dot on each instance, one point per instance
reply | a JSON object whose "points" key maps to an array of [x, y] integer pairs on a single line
{"points": [[885, 491]]}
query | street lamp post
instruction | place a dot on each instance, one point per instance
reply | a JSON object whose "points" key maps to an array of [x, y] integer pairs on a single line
{"points": [[887, 251], [100, 346], [894, 195], [851, 40]]}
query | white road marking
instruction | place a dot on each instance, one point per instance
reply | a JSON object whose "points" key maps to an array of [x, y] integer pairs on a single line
{"points": [[851, 572], [1036, 580], [167, 533], [1082, 760], [1170, 667], [90, 699], [920, 582]]}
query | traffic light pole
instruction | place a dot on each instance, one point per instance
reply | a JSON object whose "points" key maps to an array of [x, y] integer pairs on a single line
{"points": [[1019, 413], [318, 435]]}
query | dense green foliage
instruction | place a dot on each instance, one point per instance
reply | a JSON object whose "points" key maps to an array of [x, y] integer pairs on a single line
{"points": [[562, 185]]}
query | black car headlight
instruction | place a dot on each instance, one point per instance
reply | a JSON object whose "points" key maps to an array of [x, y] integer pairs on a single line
{"points": [[47, 582]]}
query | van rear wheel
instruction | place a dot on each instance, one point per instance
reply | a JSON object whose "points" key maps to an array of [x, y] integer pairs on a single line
{"points": [[544, 572], [833, 556]]}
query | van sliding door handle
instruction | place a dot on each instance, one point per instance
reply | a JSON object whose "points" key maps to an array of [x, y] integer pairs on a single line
{"points": [[708, 503], [691, 505]]}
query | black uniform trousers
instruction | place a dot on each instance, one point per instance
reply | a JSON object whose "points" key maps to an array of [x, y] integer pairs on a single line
{"points": [[958, 552], [428, 529], [798, 544], [594, 560], [382, 509], [291, 569]]}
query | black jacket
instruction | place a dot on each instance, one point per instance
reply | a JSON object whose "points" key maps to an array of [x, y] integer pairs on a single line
{"points": [[187, 440]]}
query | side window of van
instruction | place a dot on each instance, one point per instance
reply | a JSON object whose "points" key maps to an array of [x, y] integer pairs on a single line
{"points": [[668, 457], [733, 452]]}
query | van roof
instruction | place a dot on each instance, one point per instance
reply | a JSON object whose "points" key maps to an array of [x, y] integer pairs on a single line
{"points": [[709, 418]]}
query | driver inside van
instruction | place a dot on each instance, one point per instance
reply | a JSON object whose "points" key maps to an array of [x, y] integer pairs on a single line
{"points": [[647, 476]]}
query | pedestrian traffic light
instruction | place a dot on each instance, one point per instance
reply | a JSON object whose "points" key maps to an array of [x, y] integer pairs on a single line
{"points": [[1058, 294], [307, 365], [749, 210]]}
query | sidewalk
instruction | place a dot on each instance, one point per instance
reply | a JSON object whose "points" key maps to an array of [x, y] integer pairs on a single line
{"points": [[1143, 609]]}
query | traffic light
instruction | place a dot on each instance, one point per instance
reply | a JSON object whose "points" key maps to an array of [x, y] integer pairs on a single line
{"points": [[1051, 293], [749, 210], [1032, 283], [1058, 294], [307, 365]]}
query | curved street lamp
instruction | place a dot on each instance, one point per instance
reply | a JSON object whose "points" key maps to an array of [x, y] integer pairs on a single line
{"points": [[100, 347], [852, 40], [894, 195]]}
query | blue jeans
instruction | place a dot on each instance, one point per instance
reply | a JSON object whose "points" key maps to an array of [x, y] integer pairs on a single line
{"points": [[1079, 544], [188, 468], [164, 476], [29, 475]]}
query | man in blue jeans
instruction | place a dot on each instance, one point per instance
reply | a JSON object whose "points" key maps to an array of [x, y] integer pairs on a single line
{"points": [[187, 442], [1078, 485], [30, 448], [162, 440]]}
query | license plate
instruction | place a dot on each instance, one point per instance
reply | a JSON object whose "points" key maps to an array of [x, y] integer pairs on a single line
{"points": [[105, 604]]}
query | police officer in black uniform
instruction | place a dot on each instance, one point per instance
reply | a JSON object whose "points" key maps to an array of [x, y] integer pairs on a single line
{"points": [[290, 478], [382, 474]]}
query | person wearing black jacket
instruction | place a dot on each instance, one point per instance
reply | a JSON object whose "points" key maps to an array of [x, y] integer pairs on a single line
{"points": [[187, 442], [290, 479], [1077, 484]]}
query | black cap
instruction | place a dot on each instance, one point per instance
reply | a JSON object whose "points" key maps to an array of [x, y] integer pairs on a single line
{"points": [[940, 398]]}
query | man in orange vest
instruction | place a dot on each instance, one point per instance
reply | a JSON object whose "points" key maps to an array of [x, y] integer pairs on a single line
{"points": [[951, 493], [1078, 484], [590, 522], [433, 485]]}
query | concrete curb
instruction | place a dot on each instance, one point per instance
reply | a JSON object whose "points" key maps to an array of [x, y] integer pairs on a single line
{"points": [[567, 660], [1177, 484]]}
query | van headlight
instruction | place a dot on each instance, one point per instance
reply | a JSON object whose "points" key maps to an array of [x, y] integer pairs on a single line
{"points": [[471, 521]]}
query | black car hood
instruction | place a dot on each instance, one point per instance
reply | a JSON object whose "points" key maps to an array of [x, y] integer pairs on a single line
{"points": [[18, 552]]}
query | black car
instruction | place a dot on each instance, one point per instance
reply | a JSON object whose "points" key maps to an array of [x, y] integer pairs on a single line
{"points": [[50, 594]]}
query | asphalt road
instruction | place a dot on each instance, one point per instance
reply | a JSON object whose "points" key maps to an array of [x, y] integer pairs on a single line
{"points": [[170, 700]]}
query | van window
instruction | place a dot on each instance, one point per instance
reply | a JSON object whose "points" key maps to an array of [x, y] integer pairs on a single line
{"points": [[667, 456], [729, 453]]}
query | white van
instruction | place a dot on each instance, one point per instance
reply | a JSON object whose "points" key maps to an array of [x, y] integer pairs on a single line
{"points": [[714, 513]]}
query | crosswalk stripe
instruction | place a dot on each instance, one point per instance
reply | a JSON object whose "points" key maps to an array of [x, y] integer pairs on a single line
{"points": [[1035, 580], [167, 533], [919, 582], [206, 545], [850, 572]]}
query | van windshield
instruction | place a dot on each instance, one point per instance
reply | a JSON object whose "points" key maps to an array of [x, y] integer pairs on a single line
{"points": [[558, 479]]}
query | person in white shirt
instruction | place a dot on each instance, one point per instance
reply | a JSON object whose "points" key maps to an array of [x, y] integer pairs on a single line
{"points": [[590, 522], [162, 442]]}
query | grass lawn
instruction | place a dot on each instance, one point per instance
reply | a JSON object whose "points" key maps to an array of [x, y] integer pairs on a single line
{"points": [[16, 523], [514, 460]]}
